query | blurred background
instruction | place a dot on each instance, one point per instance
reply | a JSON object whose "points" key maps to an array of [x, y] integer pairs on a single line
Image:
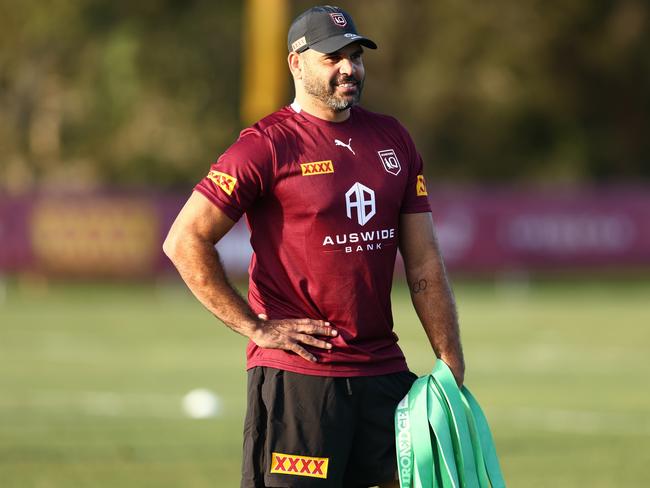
{"points": [[533, 119]]}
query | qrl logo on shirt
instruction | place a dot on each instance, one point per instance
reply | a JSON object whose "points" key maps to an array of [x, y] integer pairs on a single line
{"points": [[297, 465], [222, 180], [317, 168], [421, 187], [362, 199], [389, 160]]}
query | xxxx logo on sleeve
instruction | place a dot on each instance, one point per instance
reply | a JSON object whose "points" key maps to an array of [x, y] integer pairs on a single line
{"points": [[297, 465], [421, 187], [317, 168], [223, 180]]}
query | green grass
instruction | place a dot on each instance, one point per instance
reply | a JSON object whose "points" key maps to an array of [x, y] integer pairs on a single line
{"points": [[91, 380]]}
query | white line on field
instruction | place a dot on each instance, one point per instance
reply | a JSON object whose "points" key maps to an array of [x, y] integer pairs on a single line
{"points": [[114, 404], [100, 403], [576, 421]]}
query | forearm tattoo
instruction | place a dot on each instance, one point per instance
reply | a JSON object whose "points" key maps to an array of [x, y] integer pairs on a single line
{"points": [[418, 286]]}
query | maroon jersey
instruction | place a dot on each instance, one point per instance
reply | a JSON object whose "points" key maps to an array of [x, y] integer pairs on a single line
{"points": [[323, 201]]}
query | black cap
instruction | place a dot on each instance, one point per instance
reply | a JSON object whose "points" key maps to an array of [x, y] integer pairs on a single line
{"points": [[324, 29]]}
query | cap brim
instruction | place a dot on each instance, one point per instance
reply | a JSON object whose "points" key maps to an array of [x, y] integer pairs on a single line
{"points": [[337, 42]]}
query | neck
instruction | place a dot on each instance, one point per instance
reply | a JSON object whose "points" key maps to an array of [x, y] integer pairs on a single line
{"points": [[318, 109]]}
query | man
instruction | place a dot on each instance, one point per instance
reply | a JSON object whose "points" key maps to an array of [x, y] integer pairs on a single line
{"points": [[329, 191]]}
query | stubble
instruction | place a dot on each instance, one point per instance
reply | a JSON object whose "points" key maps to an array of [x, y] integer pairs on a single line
{"points": [[325, 90]]}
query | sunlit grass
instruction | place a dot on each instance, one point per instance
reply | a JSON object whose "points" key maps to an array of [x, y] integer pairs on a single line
{"points": [[92, 376]]}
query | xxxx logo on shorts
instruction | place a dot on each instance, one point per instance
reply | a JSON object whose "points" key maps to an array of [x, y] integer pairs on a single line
{"points": [[317, 168], [222, 180], [296, 465], [421, 187]]}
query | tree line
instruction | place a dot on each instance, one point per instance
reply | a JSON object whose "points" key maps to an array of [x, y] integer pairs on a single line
{"points": [[98, 92]]}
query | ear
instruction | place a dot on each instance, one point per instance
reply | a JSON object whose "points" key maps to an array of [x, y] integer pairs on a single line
{"points": [[295, 65]]}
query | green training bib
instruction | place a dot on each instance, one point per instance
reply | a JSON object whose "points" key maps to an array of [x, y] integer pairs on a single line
{"points": [[442, 437]]}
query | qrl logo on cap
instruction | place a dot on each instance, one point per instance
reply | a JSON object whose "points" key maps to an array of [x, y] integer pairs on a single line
{"points": [[339, 19]]}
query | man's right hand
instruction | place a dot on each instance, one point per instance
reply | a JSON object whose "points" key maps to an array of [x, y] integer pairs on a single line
{"points": [[292, 335]]}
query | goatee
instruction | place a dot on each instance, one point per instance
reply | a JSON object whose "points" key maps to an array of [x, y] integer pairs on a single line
{"points": [[326, 93]]}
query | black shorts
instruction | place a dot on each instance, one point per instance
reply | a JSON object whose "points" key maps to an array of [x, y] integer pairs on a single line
{"points": [[319, 431]]}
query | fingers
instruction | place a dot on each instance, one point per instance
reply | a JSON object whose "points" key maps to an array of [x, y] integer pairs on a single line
{"points": [[314, 327], [306, 326], [297, 341], [312, 341], [302, 352], [294, 334]]}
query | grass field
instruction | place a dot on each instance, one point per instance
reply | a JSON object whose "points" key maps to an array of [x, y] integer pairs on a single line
{"points": [[91, 380]]}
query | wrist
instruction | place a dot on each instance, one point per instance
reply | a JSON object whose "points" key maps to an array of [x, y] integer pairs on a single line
{"points": [[249, 326], [254, 328], [455, 362]]}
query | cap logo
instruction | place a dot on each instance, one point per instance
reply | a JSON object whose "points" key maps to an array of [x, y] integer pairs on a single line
{"points": [[299, 43], [339, 19]]}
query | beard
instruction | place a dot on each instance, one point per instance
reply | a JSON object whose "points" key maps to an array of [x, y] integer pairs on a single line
{"points": [[325, 91]]}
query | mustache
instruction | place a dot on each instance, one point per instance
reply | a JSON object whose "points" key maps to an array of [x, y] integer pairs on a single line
{"points": [[346, 79]]}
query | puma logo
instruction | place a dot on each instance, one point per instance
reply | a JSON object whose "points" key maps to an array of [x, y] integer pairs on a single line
{"points": [[348, 145]]}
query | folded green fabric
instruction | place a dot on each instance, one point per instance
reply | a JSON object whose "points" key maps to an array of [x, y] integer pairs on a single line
{"points": [[442, 436]]}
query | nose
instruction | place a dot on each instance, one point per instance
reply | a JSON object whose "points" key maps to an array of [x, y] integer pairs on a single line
{"points": [[346, 67]]}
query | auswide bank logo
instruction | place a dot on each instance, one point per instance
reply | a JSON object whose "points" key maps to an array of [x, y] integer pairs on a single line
{"points": [[297, 465], [361, 199], [360, 205]]}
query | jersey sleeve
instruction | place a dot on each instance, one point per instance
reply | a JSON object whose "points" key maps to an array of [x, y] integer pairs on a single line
{"points": [[241, 175], [416, 197]]}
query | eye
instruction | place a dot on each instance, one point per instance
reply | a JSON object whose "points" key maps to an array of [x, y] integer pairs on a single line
{"points": [[356, 56]]}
